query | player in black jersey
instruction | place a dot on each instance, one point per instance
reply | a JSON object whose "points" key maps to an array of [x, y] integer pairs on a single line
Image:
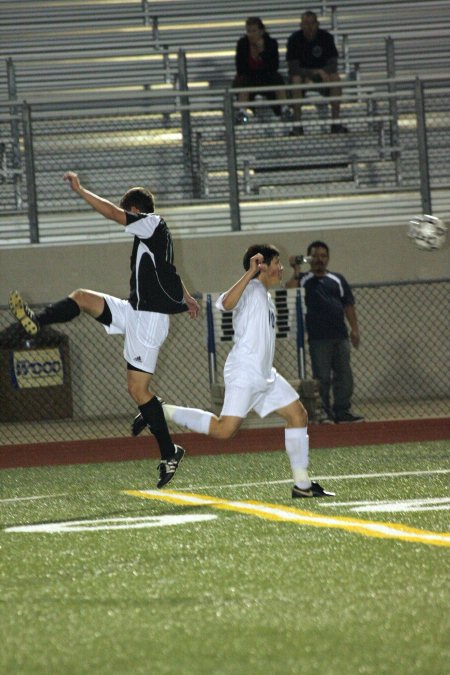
{"points": [[156, 291]]}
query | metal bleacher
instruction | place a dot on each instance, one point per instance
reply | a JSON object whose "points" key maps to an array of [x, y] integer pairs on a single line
{"points": [[106, 46], [79, 53], [80, 47]]}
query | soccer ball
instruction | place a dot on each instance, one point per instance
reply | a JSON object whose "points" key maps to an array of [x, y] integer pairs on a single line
{"points": [[427, 232]]}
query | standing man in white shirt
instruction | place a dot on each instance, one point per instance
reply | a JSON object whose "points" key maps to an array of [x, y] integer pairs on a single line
{"points": [[251, 381]]}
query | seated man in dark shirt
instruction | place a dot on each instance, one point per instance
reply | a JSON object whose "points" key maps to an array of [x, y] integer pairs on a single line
{"points": [[257, 64], [312, 57]]}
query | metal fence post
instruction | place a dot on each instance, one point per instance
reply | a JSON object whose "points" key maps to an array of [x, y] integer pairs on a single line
{"points": [[334, 24], [15, 133], [393, 109], [346, 55], [212, 358], [155, 31], [145, 12], [30, 173], [233, 183], [422, 145], [166, 64], [186, 129]]}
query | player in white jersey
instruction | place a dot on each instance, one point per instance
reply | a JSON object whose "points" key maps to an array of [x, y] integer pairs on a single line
{"points": [[251, 381]]}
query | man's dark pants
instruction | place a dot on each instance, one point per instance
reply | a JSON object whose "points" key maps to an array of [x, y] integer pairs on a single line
{"points": [[330, 360]]}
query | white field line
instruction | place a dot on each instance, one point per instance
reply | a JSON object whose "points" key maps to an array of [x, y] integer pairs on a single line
{"points": [[352, 476], [29, 499]]}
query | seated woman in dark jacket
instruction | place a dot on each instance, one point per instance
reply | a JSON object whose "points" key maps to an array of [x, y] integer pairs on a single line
{"points": [[257, 64]]}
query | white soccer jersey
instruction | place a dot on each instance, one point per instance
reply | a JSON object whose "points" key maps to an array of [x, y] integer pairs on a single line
{"points": [[251, 357]]}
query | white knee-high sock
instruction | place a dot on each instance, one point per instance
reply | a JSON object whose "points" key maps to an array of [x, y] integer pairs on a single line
{"points": [[297, 447], [191, 418]]}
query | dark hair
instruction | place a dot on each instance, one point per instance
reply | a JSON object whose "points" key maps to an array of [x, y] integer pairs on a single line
{"points": [[140, 198], [254, 21], [310, 14], [316, 244], [268, 251]]}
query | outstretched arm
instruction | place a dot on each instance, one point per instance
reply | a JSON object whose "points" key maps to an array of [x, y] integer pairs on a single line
{"points": [[231, 297], [102, 206]]}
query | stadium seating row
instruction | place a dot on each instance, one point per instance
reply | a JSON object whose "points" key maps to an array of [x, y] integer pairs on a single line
{"points": [[79, 52], [88, 45]]}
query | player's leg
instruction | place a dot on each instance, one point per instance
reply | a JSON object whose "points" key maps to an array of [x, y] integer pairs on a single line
{"points": [[64, 310], [89, 302], [145, 333], [138, 383], [296, 440], [238, 401], [203, 422], [195, 419], [224, 427], [152, 413]]}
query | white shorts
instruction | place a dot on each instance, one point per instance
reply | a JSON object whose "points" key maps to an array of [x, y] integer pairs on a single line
{"points": [[240, 399], [144, 332]]}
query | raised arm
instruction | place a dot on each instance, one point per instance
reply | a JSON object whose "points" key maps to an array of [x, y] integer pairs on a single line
{"points": [[231, 297], [102, 206]]}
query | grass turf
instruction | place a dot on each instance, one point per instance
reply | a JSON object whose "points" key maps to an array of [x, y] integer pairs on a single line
{"points": [[236, 594]]}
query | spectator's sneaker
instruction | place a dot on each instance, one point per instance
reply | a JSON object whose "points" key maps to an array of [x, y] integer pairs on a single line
{"points": [[139, 424], [242, 117], [326, 420], [338, 129], [167, 467], [349, 417], [20, 311], [315, 490]]}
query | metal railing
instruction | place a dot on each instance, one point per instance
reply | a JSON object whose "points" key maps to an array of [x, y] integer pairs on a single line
{"points": [[189, 148]]}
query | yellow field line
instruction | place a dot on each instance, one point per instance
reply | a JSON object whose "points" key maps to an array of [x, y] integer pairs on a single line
{"points": [[277, 512]]}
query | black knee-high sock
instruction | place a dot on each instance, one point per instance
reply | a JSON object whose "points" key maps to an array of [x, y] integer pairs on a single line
{"points": [[153, 415], [61, 312]]}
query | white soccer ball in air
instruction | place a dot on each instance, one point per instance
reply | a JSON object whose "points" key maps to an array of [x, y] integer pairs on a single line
{"points": [[427, 232]]}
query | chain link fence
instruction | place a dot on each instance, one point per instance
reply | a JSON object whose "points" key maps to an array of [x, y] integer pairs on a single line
{"points": [[69, 383]]}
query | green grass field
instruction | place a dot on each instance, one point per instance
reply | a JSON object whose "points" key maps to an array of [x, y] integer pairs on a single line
{"points": [[229, 587]]}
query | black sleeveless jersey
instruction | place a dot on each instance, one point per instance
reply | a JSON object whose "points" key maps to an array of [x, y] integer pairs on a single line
{"points": [[155, 285]]}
